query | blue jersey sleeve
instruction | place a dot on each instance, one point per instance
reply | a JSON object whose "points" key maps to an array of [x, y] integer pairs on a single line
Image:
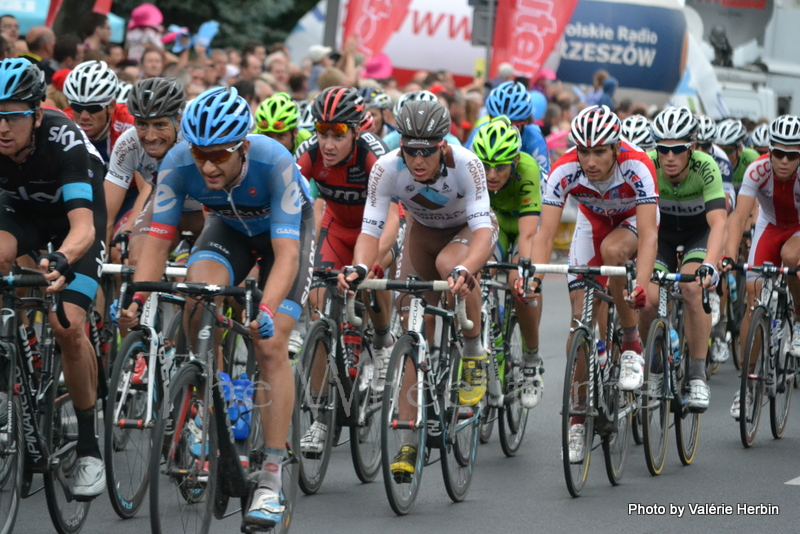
{"points": [[169, 197], [286, 203], [533, 143]]}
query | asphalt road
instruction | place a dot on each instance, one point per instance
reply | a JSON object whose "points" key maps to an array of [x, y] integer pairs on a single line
{"points": [[527, 493]]}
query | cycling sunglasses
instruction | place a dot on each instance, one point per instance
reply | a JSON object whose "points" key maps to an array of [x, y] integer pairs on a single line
{"points": [[498, 166], [338, 128], [16, 117], [729, 149], [91, 108], [277, 126], [704, 146], [217, 156], [424, 151], [675, 149], [791, 155]]}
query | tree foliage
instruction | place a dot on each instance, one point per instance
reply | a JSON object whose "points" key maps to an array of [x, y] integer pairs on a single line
{"points": [[240, 20]]}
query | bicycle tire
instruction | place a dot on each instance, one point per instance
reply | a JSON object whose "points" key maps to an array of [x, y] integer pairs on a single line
{"points": [[110, 332], [486, 424], [60, 431], [785, 369], [687, 424], [320, 406], [460, 446], [736, 310], [753, 381], [365, 434], [401, 493], [183, 500], [11, 467], [656, 401], [513, 418], [128, 458], [580, 350], [616, 444]]}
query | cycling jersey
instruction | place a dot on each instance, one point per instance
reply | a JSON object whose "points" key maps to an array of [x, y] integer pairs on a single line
{"points": [[301, 137], [725, 168], [747, 157], [685, 205], [518, 198], [451, 202], [533, 143], [120, 121], [129, 157], [392, 140], [268, 196], [778, 200], [632, 183], [343, 187]]}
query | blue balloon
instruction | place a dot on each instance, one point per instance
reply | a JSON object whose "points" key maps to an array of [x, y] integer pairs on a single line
{"points": [[539, 104]]}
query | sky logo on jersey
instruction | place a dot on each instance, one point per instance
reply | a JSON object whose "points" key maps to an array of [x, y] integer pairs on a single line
{"points": [[430, 199]]}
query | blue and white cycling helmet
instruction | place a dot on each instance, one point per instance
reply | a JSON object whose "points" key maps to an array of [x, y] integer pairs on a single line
{"points": [[511, 99], [216, 117], [22, 80]]}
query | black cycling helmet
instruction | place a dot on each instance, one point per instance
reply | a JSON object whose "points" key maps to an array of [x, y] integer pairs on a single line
{"points": [[156, 97], [424, 120], [339, 105], [22, 81]]}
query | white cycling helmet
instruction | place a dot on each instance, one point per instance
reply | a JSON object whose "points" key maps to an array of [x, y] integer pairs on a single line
{"points": [[413, 96], [706, 129], [785, 130], [731, 132], [674, 123], [595, 126], [760, 136], [91, 82], [306, 117], [123, 92], [636, 130]]}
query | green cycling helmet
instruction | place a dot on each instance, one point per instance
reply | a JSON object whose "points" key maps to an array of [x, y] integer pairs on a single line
{"points": [[277, 113], [497, 142]]}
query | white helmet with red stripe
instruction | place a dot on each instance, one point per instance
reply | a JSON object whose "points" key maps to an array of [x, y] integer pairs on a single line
{"points": [[595, 126]]}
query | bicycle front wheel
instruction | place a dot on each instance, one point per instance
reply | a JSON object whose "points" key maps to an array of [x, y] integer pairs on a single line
{"points": [[754, 376], [11, 465], [365, 434], [577, 425], [656, 398], [128, 440], [60, 431], [183, 474], [785, 369], [687, 424], [513, 416], [317, 397], [400, 432]]}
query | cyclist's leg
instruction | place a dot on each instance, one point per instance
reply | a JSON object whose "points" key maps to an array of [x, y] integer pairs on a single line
{"points": [[666, 261], [790, 256], [697, 325]]}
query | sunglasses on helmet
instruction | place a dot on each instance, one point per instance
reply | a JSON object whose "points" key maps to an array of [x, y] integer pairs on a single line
{"points": [[217, 156], [337, 128], [675, 149]]}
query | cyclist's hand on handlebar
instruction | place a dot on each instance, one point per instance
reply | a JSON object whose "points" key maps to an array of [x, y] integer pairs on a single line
{"points": [[57, 271], [263, 326], [531, 295], [129, 317], [350, 274], [725, 264], [707, 276], [461, 281], [637, 299]]}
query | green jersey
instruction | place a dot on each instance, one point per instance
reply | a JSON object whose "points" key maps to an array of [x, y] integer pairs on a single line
{"points": [[683, 206], [520, 196], [747, 157]]}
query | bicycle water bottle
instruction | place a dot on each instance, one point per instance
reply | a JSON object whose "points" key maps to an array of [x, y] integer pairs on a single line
{"points": [[243, 400], [675, 342], [352, 345], [732, 285], [602, 357]]}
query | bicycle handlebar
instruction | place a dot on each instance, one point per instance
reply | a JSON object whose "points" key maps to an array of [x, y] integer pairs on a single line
{"points": [[37, 280], [170, 272], [662, 278]]}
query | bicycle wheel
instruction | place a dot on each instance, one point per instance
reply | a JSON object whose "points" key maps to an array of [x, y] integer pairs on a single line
{"points": [[656, 398], [687, 424], [317, 398], [11, 465], [513, 416], [402, 487], [460, 443], [754, 372], [785, 369], [60, 432], [365, 435], [575, 406], [736, 310], [182, 500], [486, 423], [128, 446]]}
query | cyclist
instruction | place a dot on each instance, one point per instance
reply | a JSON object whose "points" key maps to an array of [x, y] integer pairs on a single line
{"points": [[91, 89], [693, 215], [378, 105], [704, 141], [392, 139], [636, 131], [53, 185], [759, 139], [278, 117], [514, 101], [444, 189], [339, 157], [259, 212], [773, 181], [731, 134], [512, 177], [615, 186], [156, 105]]}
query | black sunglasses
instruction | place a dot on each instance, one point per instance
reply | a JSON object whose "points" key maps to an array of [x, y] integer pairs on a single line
{"points": [[425, 152], [791, 155], [91, 108]]}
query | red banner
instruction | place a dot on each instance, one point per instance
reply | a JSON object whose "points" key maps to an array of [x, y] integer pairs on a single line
{"points": [[102, 6], [374, 22], [52, 11], [526, 31]]}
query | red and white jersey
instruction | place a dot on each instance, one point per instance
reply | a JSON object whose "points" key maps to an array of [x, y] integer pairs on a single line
{"points": [[633, 183], [779, 201]]}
